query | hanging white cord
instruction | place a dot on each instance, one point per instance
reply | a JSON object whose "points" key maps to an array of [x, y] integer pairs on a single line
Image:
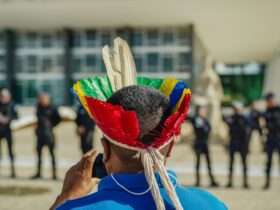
{"points": [[149, 171], [158, 161]]}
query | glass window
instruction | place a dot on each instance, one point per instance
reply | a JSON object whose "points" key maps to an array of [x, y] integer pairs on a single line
{"points": [[139, 63], [19, 64], [153, 60], [185, 59], [46, 40], [60, 60], [152, 37], [99, 64], [91, 38], [91, 61], [137, 39], [30, 40], [46, 64], [168, 63], [105, 38], [2, 63], [31, 89], [183, 37], [77, 39], [31, 63], [168, 37], [77, 64], [102, 67], [2, 40]]}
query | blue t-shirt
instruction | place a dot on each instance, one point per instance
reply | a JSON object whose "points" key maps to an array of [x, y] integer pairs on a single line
{"points": [[111, 196]]}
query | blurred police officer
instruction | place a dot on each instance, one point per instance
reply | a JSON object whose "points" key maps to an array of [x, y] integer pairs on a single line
{"points": [[7, 114], [85, 129], [272, 118], [202, 129], [254, 118], [47, 118], [239, 132]]}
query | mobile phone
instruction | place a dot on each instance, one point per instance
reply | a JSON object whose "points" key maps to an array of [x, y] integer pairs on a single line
{"points": [[99, 170]]}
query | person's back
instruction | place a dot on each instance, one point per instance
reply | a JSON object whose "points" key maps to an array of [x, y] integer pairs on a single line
{"points": [[272, 116], [238, 128], [139, 120], [131, 192]]}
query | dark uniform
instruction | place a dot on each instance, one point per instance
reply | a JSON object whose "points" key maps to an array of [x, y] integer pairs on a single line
{"points": [[254, 122], [48, 117], [83, 120], [8, 111], [202, 129], [239, 132], [272, 117]]}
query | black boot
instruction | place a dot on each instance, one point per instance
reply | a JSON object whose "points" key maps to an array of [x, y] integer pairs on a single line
{"points": [[245, 183], [267, 184], [36, 176], [214, 184], [13, 171]]}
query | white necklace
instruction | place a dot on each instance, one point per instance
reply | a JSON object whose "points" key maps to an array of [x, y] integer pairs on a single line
{"points": [[129, 191], [138, 193]]}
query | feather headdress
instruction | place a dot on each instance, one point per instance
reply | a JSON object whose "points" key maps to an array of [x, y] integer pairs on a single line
{"points": [[120, 126]]}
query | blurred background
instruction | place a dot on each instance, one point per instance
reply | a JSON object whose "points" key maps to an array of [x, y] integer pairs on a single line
{"points": [[225, 50]]}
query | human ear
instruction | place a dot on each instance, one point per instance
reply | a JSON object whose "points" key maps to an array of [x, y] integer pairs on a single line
{"points": [[107, 149]]}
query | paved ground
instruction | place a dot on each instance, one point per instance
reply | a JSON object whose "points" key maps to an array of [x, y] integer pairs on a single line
{"points": [[24, 194]]}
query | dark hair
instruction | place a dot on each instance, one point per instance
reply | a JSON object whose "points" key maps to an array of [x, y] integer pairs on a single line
{"points": [[269, 96], [150, 106]]}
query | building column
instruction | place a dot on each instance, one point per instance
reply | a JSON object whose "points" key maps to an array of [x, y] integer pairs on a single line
{"points": [[68, 78], [10, 40]]}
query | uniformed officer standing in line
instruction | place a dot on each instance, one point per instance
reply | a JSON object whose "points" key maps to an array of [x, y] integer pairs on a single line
{"points": [[239, 132], [202, 129], [255, 121], [7, 114], [272, 118], [85, 129], [47, 118]]}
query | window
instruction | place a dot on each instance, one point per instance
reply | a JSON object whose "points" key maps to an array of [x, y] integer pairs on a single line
{"points": [[185, 59], [31, 63], [46, 64], [139, 63], [168, 37], [153, 60], [30, 40], [60, 60], [105, 38], [46, 40], [167, 63], [90, 61], [2, 63], [2, 40], [91, 38], [137, 39], [152, 37], [77, 64], [183, 37], [77, 39]]}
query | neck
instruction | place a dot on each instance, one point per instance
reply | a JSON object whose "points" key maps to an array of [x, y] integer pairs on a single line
{"points": [[127, 167]]}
